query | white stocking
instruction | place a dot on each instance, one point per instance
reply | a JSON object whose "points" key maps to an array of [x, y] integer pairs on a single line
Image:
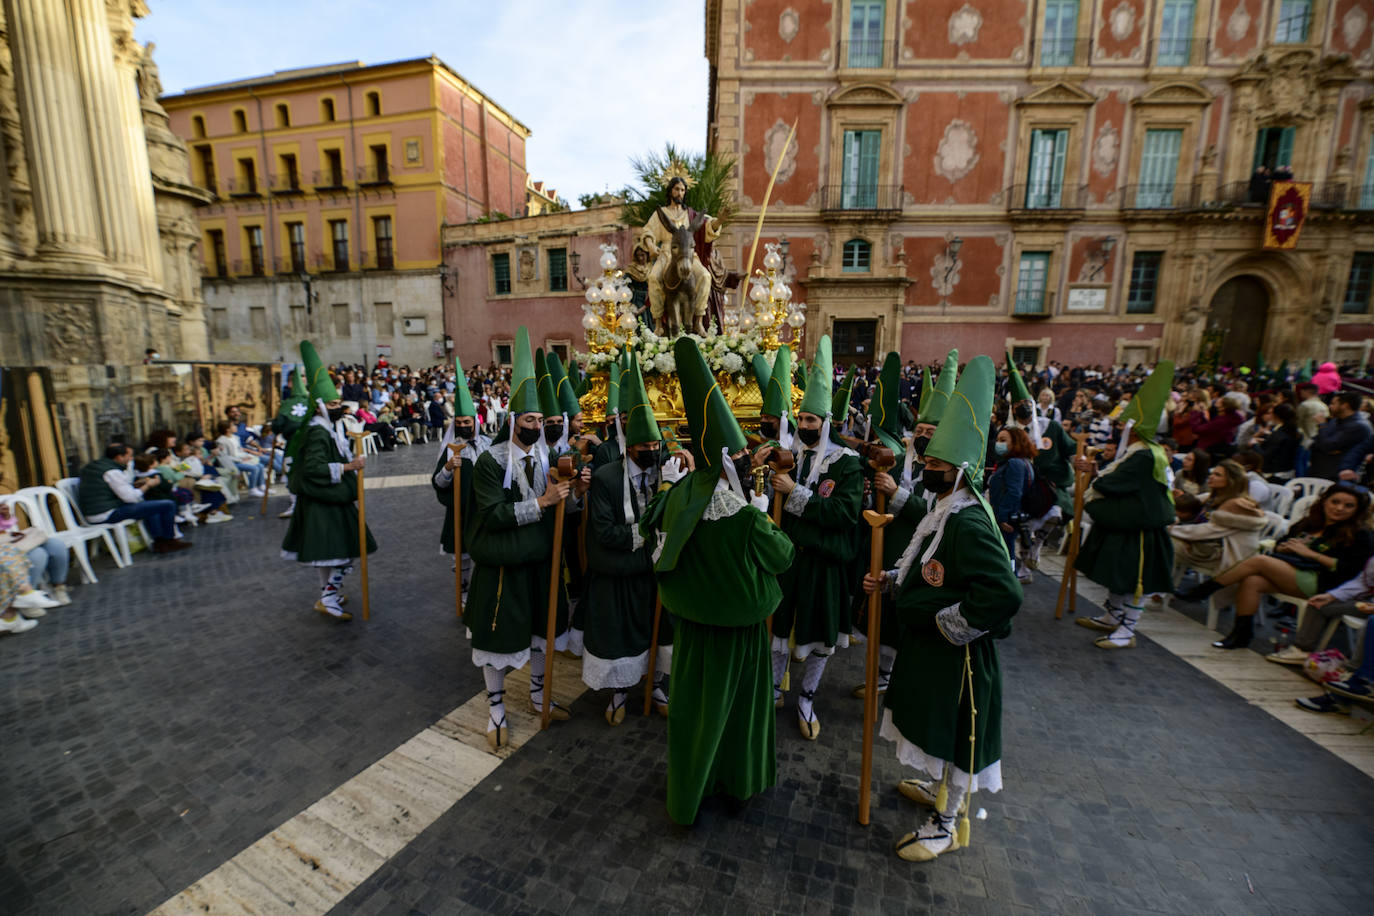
{"points": [[1130, 612], [496, 690], [812, 670], [537, 678], [779, 666]]}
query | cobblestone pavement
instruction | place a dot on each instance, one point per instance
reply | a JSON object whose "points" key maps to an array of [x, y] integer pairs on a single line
{"points": [[181, 709]]}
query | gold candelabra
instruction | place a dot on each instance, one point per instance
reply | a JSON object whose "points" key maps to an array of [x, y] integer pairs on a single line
{"points": [[607, 315]]}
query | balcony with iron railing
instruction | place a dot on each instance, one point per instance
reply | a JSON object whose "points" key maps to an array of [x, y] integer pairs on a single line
{"points": [[243, 187], [1033, 304], [1177, 52], [295, 264], [286, 183], [1342, 195], [250, 267], [866, 54], [861, 202], [329, 180], [1158, 197], [1046, 200], [384, 258], [379, 173], [1060, 53]]}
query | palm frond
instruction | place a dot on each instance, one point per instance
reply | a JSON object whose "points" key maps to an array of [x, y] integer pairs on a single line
{"points": [[711, 193]]}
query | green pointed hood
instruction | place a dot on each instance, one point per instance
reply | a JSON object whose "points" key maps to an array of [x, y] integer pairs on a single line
{"points": [[799, 373], [1018, 390], [962, 437], [613, 373], [524, 385], [298, 389], [844, 396], [944, 388], [294, 407], [548, 401], [316, 375], [708, 415], [885, 406], [640, 424], [562, 385], [1146, 408], [777, 396], [1306, 374], [926, 405], [762, 373], [819, 378], [462, 394]]}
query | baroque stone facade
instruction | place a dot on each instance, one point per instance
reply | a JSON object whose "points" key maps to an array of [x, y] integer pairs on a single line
{"points": [[967, 174], [98, 257]]}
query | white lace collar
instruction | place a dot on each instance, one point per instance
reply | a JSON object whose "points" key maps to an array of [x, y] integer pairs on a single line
{"points": [[724, 503], [933, 523]]}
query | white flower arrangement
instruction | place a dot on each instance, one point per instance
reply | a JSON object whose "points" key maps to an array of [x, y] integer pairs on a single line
{"points": [[726, 352]]}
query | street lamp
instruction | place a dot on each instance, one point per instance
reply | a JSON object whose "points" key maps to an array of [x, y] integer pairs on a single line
{"points": [[1104, 249]]}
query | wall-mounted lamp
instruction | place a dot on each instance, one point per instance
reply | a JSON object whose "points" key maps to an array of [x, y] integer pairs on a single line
{"points": [[1104, 252], [575, 258], [444, 281], [952, 256], [308, 285]]}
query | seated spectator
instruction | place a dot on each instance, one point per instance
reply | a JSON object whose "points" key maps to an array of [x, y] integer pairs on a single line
{"points": [[1279, 446], [106, 494], [47, 556], [1226, 530], [1192, 476], [227, 471], [1187, 508], [232, 451], [438, 419], [1257, 485], [1337, 445], [1358, 685], [16, 594], [206, 503], [1351, 598], [372, 425], [413, 416], [1327, 547], [164, 487], [1218, 435]]}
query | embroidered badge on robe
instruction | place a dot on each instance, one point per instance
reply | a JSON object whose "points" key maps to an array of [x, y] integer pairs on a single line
{"points": [[934, 573], [826, 488]]}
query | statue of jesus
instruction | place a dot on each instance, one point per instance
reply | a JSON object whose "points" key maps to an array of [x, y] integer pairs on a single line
{"points": [[679, 239]]}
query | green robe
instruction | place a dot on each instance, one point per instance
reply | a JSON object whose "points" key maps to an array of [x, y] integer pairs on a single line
{"points": [[445, 497], [324, 524], [928, 697], [618, 604], [721, 731], [817, 588], [1129, 544], [1054, 462], [508, 597]]}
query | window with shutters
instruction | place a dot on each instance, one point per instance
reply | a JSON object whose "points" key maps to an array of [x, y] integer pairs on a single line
{"points": [[240, 121], [254, 238], [1025, 356], [866, 33], [500, 273], [326, 109], [283, 115], [859, 175], [501, 351], [1274, 147], [1176, 33], [1367, 190], [558, 270], [338, 235], [1045, 182], [1359, 284], [856, 257], [1031, 281], [219, 263], [1061, 33], [1158, 168], [295, 238], [381, 237], [1294, 18], [1140, 299]]}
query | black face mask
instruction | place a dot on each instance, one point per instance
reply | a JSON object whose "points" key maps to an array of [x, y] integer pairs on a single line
{"points": [[768, 429], [936, 481], [463, 432], [809, 436], [335, 414], [553, 432], [527, 436], [919, 443], [743, 468], [645, 458], [1022, 413]]}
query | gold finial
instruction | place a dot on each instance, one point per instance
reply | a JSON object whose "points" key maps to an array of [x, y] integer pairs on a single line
{"points": [[675, 169]]}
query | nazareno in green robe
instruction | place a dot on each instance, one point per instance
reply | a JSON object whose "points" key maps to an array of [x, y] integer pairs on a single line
{"points": [[817, 588], [721, 732], [927, 708], [445, 496], [1128, 545], [618, 602], [1054, 462], [323, 530], [510, 541]]}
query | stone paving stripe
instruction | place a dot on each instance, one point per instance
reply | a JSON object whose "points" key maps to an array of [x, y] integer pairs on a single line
{"points": [[395, 480], [316, 859], [1264, 684]]}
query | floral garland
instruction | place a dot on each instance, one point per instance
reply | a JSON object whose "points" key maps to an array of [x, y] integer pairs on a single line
{"points": [[731, 353]]}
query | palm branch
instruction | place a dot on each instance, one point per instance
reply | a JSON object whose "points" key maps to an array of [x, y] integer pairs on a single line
{"points": [[711, 191]]}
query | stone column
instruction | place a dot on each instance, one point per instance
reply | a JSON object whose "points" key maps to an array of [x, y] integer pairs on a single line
{"points": [[116, 183], [55, 139], [130, 60]]}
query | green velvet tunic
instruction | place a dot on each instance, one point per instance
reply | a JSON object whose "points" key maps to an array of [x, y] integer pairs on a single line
{"points": [[1055, 463], [445, 497], [324, 524], [928, 697], [724, 585], [1129, 544], [508, 597], [618, 603], [817, 588]]}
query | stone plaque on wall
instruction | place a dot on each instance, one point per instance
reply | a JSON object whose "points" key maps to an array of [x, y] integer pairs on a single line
{"points": [[1087, 299]]}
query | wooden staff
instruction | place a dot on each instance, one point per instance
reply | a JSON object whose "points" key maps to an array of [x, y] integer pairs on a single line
{"points": [[653, 655], [271, 462], [876, 521], [362, 524], [1068, 585], [455, 449], [561, 472]]}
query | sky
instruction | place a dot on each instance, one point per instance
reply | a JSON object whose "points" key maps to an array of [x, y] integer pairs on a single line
{"points": [[595, 81]]}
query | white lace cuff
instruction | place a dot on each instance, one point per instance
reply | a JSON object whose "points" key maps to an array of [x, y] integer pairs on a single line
{"points": [[894, 505], [955, 628], [527, 512], [759, 501], [889, 580], [797, 499], [636, 539], [444, 478], [335, 472]]}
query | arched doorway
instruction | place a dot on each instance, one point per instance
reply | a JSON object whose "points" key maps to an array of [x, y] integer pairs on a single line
{"points": [[1236, 322]]}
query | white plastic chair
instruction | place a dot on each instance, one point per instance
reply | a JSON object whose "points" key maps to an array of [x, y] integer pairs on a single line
{"points": [[71, 487], [403, 435], [1355, 625], [74, 535], [1281, 499], [369, 440], [1301, 507], [1303, 487]]}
